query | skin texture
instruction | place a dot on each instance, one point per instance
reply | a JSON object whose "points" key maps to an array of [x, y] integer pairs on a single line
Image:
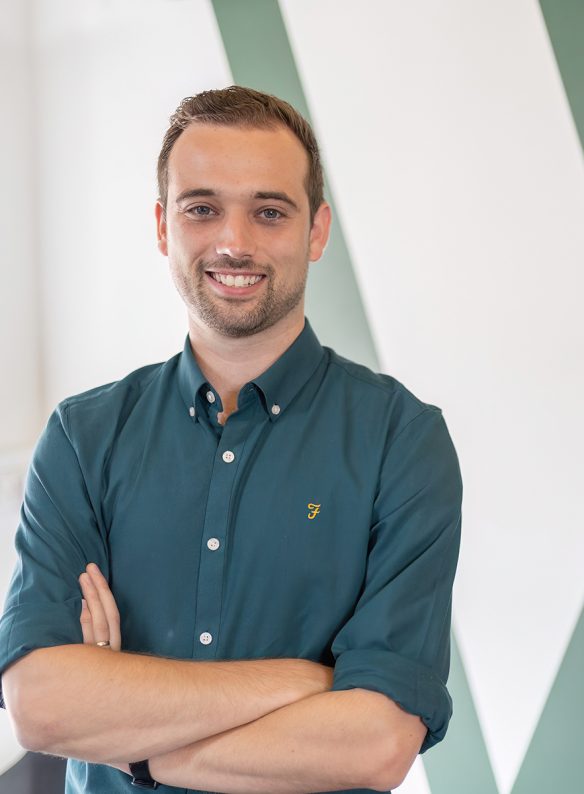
{"points": [[82, 701]]}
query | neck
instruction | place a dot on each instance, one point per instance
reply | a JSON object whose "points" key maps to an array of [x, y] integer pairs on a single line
{"points": [[228, 363]]}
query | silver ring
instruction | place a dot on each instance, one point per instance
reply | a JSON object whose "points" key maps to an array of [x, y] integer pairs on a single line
{"points": [[103, 644]]}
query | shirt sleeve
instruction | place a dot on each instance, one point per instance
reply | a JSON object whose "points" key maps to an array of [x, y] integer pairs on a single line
{"points": [[397, 641], [57, 536]]}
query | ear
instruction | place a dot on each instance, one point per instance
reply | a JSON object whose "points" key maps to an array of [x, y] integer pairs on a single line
{"points": [[319, 233], [161, 228]]}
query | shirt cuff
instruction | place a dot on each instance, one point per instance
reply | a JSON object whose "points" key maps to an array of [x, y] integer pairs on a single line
{"points": [[26, 627], [416, 688]]}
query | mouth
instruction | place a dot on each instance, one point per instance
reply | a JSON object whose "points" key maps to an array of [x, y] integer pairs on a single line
{"points": [[226, 283]]}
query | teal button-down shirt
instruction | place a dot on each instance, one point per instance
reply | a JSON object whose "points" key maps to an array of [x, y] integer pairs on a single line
{"points": [[322, 521]]}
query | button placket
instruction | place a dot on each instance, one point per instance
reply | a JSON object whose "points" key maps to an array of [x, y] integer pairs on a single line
{"points": [[237, 433]]}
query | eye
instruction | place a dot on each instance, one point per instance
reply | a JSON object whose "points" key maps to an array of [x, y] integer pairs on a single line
{"points": [[200, 210], [271, 214]]}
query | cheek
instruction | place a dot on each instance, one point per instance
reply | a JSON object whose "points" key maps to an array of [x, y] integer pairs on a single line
{"points": [[185, 243], [288, 246]]}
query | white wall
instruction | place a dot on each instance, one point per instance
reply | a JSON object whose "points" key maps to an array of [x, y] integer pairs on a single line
{"points": [[109, 76], [19, 308]]}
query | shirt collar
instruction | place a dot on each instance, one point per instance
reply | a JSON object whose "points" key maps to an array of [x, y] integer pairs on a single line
{"points": [[283, 380], [190, 377], [278, 385]]}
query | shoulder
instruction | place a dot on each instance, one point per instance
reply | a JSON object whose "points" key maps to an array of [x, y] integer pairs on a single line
{"points": [[377, 395], [108, 406], [406, 435]]}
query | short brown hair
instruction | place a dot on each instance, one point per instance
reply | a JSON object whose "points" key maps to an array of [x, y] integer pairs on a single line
{"points": [[243, 107]]}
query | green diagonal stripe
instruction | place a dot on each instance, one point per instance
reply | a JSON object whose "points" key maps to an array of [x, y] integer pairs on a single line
{"points": [[460, 764], [258, 50], [565, 24], [259, 54], [554, 761]]}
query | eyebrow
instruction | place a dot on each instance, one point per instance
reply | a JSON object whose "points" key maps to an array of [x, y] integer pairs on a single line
{"points": [[277, 196], [260, 194]]}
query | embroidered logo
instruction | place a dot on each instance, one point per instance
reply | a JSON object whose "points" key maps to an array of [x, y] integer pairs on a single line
{"points": [[314, 510]]}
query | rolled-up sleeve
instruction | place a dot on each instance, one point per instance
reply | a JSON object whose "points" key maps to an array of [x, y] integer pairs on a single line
{"points": [[57, 536], [397, 642]]}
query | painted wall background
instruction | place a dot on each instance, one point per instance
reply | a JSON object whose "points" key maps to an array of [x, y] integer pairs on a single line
{"points": [[450, 135]]}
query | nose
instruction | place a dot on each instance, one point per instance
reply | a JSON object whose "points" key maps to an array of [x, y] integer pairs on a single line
{"points": [[235, 237]]}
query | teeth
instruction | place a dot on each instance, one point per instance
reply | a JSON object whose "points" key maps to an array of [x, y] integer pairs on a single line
{"points": [[238, 281]]}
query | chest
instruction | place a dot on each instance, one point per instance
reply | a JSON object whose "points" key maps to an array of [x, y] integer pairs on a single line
{"points": [[252, 538]]}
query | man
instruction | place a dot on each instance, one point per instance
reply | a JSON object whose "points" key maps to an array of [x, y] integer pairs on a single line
{"points": [[264, 534]]}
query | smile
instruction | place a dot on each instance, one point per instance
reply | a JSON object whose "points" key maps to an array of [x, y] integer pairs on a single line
{"points": [[235, 281]]}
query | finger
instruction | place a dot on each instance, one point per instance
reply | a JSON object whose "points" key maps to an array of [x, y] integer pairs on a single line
{"points": [[86, 623], [85, 618], [98, 617], [109, 605]]}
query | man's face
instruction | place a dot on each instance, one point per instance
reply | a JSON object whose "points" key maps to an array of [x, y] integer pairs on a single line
{"points": [[237, 227]]}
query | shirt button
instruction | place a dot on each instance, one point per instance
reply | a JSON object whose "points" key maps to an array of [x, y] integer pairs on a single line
{"points": [[192, 411], [210, 396], [228, 456], [275, 409], [206, 638], [213, 544]]}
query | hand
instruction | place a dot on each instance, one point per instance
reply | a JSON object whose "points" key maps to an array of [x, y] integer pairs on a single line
{"points": [[100, 619]]}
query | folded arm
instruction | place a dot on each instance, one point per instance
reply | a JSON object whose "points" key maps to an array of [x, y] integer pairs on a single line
{"points": [[86, 702], [329, 742]]}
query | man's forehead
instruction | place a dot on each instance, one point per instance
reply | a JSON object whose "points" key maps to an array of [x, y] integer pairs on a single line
{"points": [[226, 158]]}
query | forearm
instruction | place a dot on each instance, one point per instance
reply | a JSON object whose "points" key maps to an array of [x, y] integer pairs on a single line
{"points": [[96, 705], [332, 741]]}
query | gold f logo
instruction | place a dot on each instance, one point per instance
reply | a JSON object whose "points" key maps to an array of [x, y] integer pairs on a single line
{"points": [[314, 510]]}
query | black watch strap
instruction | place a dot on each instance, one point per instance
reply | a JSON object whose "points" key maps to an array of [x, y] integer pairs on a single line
{"points": [[141, 776]]}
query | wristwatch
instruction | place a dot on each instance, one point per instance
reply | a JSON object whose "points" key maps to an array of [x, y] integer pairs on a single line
{"points": [[141, 776]]}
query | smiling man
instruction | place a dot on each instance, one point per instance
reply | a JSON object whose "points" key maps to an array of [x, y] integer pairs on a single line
{"points": [[235, 568], [220, 239]]}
